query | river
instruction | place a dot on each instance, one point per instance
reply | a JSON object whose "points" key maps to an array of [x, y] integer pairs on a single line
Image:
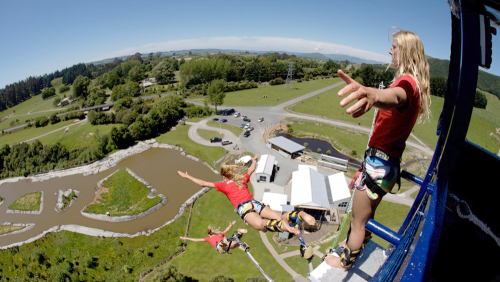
{"points": [[158, 166]]}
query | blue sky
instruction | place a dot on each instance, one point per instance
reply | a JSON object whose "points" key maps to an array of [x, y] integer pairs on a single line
{"points": [[41, 37]]}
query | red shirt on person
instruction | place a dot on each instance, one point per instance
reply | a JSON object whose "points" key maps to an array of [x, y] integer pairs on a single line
{"points": [[392, 128], [233, 192], [214, 239]]}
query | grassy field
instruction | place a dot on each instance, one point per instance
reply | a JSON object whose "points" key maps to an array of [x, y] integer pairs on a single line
{"points": [[201, 261], [276, 94], [123, 195], [179, 137], [28, 202]]}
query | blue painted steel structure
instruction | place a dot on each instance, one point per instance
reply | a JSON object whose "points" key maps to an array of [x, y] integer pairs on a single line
{"points": [[431, 244]]}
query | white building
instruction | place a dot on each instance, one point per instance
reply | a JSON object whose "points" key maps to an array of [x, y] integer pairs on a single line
{"points": [[313, 191], [265, 168]]}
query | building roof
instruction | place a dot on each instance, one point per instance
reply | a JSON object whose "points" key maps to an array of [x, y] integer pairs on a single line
{"points": [[275, 201], [265, 164], [309, 190], [338, 187], [286, 144]]}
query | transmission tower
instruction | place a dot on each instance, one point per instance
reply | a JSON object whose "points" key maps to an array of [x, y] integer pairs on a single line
{"points": [[289, 77]]}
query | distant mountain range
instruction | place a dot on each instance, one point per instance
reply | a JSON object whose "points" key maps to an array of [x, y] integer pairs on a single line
{"points": [[334, 57]]}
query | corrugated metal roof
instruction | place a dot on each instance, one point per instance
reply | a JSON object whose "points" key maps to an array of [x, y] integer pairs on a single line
{"points": [[286, 144]]}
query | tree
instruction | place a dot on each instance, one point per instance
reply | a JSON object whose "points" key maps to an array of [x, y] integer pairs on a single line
{"points": [[438, 86], [163, 72], [480, 100], [136, 74], [48, 92], [80, 86], [216, 92], [113, 80]]}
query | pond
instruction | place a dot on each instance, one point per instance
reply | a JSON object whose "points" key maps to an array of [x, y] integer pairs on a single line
{"points": [[158, 166], [314, 144]]}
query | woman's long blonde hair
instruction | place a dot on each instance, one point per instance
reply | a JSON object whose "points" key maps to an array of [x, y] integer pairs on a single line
{"points": [[411, 61], [214, 231], [233, 170]]}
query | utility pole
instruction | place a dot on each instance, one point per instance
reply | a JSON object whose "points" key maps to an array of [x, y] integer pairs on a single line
{"points": [[289, 77]]}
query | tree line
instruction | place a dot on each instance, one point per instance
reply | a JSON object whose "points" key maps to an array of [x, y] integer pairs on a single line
{"points": [[135, 121]]}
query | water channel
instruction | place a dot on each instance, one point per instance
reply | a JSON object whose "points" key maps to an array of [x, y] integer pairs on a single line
{"points": [[158, 166], [314, 144]]}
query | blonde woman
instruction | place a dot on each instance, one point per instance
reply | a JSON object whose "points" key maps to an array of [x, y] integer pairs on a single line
{"points": [[399, 107], [218, 238], [251, 211]]}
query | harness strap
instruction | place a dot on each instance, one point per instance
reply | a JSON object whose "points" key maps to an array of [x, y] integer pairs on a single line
{"points": [[370, 183]]}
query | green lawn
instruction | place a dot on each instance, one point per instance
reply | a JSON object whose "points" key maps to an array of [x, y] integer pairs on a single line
{"points": [[179, 137], [276, 94], [201, 261], [209, 134], [126, 196], [28, 202]]}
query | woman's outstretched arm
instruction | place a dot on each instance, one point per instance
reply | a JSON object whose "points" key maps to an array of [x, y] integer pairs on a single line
{"points": [[368, 97], [229, 227], [253, 165], [193, 239], [197, 181]]}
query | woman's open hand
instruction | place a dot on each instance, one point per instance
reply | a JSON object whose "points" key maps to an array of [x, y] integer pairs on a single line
{"points": [[365, 96]]}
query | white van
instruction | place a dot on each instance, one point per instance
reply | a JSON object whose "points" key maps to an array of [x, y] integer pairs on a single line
{"points": [[237, 114]]}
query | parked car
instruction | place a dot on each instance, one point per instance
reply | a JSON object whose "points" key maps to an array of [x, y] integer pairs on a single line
{"points": [[246, 134], [243, 117], [215, 139], [223, 120], [246, 119], [237, 114], [226, 142], [242, 125], [247, 126], [215, 119], [250, 128], [261, 119], [226, 112]]}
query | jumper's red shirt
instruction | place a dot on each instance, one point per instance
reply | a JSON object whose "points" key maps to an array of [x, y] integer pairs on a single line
{"points": [[214, 239], [233, 192], [392, 128]]}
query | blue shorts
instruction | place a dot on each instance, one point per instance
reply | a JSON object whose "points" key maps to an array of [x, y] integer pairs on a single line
{"points": [[251, 206], [383, 172]]}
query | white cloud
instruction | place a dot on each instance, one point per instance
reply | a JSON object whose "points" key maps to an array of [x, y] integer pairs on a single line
{"points": [[251, 44]]}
